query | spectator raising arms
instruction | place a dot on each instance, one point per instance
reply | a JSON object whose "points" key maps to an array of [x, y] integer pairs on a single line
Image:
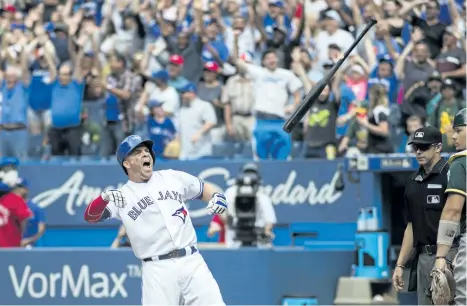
{"points": [[77, 76], [15, 92]]}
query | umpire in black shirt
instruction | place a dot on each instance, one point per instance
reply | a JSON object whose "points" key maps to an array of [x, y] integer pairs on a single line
{"points": [[424, 202]]}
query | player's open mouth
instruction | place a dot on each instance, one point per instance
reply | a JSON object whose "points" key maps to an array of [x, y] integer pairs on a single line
{"points": [[147, 164]]}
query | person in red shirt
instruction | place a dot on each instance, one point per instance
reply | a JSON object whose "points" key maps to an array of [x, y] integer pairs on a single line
{"points": [[14, 214], [217, 225]]}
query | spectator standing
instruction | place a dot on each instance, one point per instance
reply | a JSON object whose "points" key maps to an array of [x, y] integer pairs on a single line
{"points": [[443, 115], [194, 122], [451, 60], [417, 68], [161, 129], [121, 88], [210, 90], [239, 100], [158, 88], [384, 43], [67, 95], [14, 215], [272, 88], [36, 226], [432, 27], [248, 35], [209, 30], [344, 14], [175, 68], [40, 98], [320, 127], [312, 69], [357, 80], [331, 34], [373, 122], [189, 47], [414, 123], [434, 85], [15, 93]]}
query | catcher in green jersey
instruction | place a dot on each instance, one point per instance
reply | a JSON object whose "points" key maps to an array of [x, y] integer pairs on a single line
{"points": [[452, 222]]}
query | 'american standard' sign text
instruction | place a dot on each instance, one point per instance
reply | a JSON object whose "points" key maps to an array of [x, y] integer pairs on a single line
{"points": [[302, 191]]}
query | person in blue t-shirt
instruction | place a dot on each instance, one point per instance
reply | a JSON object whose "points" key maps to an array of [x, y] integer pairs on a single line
{"points": [[36, 226], [13, 116], [40, 97], [161, 129], [67, 95]]}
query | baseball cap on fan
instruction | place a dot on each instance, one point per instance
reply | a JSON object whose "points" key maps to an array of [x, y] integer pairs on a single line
{"points": [[211, 66], [176, 59], [427, 135]]}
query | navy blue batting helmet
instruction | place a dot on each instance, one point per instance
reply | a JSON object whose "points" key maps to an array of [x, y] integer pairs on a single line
{"points": [[129, 144]]}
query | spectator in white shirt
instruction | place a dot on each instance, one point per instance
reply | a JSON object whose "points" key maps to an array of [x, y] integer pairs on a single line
{"points": [[332, 34], [159, 89], [194, 122], [273, 87]]}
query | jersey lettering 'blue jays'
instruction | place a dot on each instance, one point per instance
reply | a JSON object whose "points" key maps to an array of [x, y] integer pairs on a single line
{"points": [[172, 195], [142, 204], [153, 212]]}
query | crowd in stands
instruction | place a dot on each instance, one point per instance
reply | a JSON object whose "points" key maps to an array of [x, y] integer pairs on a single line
{"points": [[218, 78]]}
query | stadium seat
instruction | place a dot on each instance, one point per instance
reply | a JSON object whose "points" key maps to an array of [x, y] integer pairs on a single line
{"points": [[297, 150], [35, 146], [224, 150], [247, 150], [59, 159], [89, 150], [89, 158]]}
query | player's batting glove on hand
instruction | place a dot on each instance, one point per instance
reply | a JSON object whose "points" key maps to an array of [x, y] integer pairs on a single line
{"points": [[115, 196], [218, 204]]}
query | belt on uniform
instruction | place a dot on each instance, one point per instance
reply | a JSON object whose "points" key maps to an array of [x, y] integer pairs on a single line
{"points": [[427, 249], [174, 254], [243, 114]]}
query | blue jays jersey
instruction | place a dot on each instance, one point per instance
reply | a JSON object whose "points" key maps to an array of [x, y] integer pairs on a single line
{"points": [[155, 217]]}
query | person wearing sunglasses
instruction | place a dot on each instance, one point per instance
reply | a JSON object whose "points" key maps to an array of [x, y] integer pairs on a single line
{"points": [[424, 200]]}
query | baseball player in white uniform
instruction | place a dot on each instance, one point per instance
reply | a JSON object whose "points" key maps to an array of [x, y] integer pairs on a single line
{"points": [[151, 206]]}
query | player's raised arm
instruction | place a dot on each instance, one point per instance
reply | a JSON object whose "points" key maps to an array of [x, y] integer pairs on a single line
{"points": [[99, 209]]}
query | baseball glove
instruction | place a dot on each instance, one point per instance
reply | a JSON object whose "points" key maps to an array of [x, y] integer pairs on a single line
{"points": [[443, 286]]}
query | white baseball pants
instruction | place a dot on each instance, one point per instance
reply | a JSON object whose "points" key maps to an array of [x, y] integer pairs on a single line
{"points": [[179, 281]]}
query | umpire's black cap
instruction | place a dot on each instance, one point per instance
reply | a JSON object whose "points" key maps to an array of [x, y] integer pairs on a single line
{"points": [[427, 135]]}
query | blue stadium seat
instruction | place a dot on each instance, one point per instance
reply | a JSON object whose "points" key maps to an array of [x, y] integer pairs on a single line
{"points": [[59, 159], [89, 158], [247, 150], [224, 150], [297, 150], [35, 146], [89, 150]]}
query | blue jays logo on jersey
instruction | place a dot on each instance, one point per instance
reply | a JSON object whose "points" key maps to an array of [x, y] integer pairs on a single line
{"points": [[181, 213]]}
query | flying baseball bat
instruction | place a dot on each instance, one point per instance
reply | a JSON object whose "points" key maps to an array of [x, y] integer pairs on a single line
{"points": [[314, 93]]}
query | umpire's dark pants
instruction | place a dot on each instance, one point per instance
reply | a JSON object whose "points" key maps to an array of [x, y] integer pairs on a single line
{"points": [[426, 262]]}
